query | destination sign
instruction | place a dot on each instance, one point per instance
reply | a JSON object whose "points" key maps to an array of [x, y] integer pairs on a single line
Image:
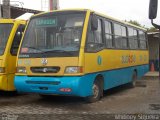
{"points": [[46, 22]]}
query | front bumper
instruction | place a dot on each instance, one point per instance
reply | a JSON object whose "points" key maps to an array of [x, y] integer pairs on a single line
{"points": [[80, 85]]}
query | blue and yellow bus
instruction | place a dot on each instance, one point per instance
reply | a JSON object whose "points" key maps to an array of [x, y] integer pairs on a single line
{"points": [[10, 36], [79, 53]]}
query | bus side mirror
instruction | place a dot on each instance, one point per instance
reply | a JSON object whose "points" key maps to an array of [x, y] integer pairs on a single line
{"points": [[94, 23], [62, 21], [153, 9]]}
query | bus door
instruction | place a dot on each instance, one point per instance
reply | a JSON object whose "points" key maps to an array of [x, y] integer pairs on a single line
{"points": [[11, 62]]}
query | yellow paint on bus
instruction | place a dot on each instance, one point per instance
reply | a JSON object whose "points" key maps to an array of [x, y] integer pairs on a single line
{"points": [[8, 55]]}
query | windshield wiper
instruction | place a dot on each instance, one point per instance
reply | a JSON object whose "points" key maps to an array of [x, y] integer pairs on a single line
{"points": [[34, 48], [58, 51], [49, 51]]}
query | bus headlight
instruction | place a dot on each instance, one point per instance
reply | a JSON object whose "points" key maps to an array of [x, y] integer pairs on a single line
{"points": [[72, 70], [2, 70], [21, 70]]}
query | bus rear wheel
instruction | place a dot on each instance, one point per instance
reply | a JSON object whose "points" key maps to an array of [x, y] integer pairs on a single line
{"points": [[97, 92]]}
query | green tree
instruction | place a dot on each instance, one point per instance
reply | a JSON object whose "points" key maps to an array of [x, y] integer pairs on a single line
{"points": [[152, 29], [134, 22]]}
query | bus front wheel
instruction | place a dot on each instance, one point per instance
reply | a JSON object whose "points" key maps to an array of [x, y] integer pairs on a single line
{"points": [[97, 92]]}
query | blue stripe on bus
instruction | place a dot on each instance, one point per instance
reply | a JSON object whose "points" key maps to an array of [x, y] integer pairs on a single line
{"points": [[80, 85]]}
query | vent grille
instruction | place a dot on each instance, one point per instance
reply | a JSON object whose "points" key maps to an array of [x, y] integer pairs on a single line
{"points": [[45, 69]]}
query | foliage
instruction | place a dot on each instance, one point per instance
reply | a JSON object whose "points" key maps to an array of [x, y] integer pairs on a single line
{"points": [[134, 22], [152, 29]]}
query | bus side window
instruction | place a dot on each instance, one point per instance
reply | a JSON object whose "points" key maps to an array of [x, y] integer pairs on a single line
{"points": [[142, 39], [108, 34], [17, 40], [120, 36], [95, 40], [133, 38]]}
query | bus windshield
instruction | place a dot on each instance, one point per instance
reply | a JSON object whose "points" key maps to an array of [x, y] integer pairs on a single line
{"points": [[5, 30], [54, 35]]}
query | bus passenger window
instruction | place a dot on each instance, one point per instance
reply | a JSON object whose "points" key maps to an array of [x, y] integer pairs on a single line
{"points": [[108, 34], [17, 40], [120, 36], [124, 37], [98, 33], [143, 41], [94, 40], [133, 38]]}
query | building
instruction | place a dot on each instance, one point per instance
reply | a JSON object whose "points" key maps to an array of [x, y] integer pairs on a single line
{"points": [[154, 42], [9, 11], [14, 12]]}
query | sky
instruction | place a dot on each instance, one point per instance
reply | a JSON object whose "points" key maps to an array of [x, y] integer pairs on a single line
{"points": [[120, 9]]}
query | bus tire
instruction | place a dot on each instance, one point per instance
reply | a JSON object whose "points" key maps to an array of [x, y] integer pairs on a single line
{"points": [[134, 78], [97, 92]]}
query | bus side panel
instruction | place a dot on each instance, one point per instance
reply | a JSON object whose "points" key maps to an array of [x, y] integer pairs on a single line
{"points": [[118, 77], [141, 70], [114, 59], [116, 66]]}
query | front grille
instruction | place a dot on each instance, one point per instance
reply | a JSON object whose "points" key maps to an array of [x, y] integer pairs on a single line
{"points": [[45, 69]]}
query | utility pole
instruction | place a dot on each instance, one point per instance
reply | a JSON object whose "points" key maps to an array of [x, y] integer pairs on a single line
{"points": [[53, 5], [6, 12], [49, 5], [0, 9]]}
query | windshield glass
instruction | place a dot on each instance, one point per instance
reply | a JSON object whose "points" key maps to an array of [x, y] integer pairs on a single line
{"points": [[5, 30], [53, 35]]}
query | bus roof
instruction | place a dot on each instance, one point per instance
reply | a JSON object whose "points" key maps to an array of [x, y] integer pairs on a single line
{"points": [[106, 16], [60, 11], [12, 21]]}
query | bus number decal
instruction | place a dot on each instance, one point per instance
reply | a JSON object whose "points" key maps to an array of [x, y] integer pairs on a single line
{"points": [[128, 59]]}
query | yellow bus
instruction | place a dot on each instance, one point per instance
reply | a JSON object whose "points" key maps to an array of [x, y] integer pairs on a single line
{"points": [[10, 36], [79, 53]]}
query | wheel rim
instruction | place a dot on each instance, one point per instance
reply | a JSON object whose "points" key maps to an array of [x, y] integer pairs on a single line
{"points": [[95, 91]]}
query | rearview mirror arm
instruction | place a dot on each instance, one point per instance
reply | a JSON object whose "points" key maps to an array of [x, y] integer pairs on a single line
{"points": [[155, 25]]}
